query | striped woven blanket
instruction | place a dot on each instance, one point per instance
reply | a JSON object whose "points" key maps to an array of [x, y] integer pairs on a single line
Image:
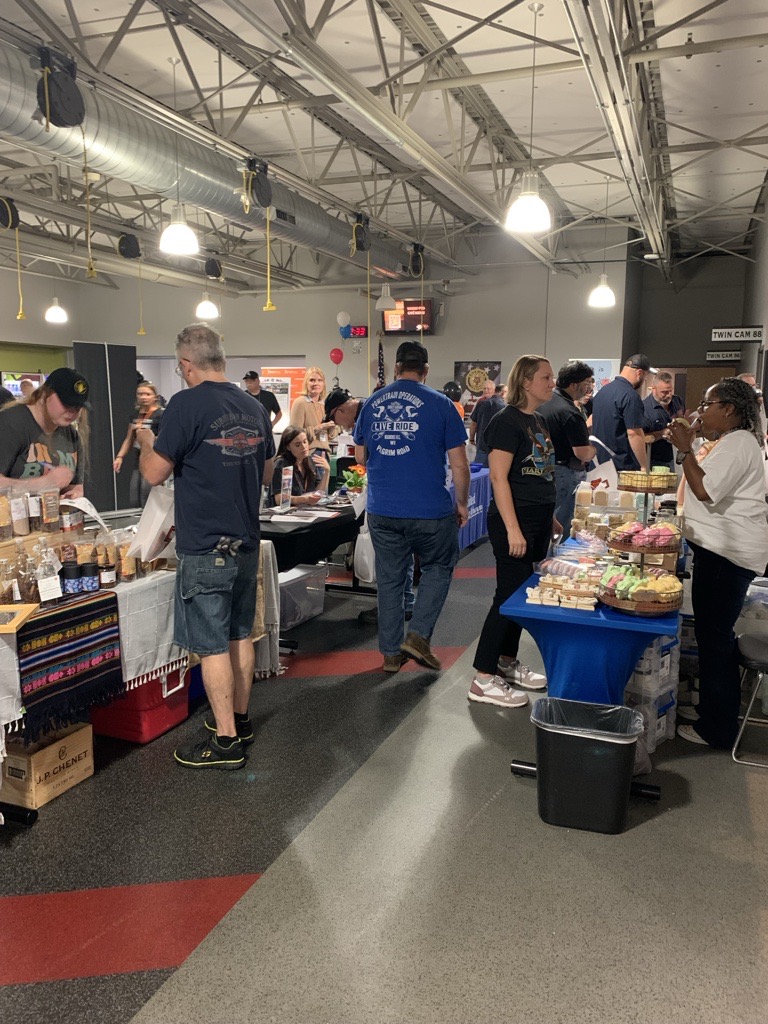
{"points": [[69, 657]]}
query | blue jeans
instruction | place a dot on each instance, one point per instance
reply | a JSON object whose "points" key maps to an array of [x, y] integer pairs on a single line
{"points": [[566, 482], [395, 542], [215, 600]]}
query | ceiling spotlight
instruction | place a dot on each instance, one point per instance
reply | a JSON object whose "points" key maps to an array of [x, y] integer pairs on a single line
{"points": [[56, 314], [207, 310], [179, 239], [529, 214], [385, 300], [602, 297]]}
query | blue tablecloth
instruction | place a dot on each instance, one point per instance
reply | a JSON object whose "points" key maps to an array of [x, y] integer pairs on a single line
{"points": [[587, 655], [479, 500]]}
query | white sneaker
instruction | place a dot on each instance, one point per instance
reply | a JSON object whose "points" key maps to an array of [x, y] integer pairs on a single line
{"points": [[688, 712], [687, 732], [520, 675], [496, 691]]}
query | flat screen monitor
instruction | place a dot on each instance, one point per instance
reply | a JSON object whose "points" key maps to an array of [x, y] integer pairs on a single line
{"points": [[412, 316]]}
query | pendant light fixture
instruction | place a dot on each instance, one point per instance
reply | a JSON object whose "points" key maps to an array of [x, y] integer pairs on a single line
{"points": [[207, 310], [56, 314], [178, 239], [602, 296], [529, 214], [385, 300]]}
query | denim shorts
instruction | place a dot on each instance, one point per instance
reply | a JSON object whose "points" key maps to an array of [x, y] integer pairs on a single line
{"points": [[215, 600]]}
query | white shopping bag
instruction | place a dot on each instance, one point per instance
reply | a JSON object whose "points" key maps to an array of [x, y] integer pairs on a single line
{"points": [[156, 526], [604, 474], [365, 558]]}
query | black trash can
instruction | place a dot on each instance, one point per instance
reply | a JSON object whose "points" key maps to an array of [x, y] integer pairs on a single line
{"points": [[585, 755]]}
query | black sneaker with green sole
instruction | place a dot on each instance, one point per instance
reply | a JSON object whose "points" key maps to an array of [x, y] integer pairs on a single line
{"points": [[242, 724], [212, 753]]}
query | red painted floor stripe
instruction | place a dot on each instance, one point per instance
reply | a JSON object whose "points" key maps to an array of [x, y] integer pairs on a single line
{"points": [[116, 930], [474, 574], [352, 663]]}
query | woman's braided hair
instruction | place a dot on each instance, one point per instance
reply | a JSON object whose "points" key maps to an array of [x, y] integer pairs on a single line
{"points": [[739, 394]]}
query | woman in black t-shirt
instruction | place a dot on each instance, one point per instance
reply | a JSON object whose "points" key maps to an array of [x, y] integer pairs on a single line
{"points": [[521, 524], [148, 415], [310, 472]]}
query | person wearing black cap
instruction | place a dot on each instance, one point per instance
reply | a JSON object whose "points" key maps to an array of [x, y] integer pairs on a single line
{"points": [[342, 409], [43, 438], [267, 398], [618, 415], [402, 436]]}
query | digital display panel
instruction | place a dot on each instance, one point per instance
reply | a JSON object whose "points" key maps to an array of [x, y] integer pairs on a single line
{"points": [[412, 316], [358, 331]]}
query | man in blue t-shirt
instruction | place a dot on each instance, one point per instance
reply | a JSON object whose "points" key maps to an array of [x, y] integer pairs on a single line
{"points": [[402, 435], [218, 444], [618, 415]]}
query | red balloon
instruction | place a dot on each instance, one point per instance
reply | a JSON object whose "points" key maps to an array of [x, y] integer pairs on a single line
{"points": [[336, 355]]}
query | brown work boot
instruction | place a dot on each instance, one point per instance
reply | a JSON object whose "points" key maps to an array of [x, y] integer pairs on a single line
{"points": [[418, 648], [394, 662]]}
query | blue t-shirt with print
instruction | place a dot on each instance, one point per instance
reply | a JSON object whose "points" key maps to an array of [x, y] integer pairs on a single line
{"points": [[407, 428], [218, 439]]}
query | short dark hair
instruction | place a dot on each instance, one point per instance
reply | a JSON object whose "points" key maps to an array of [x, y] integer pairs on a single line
{"points": [[573, 373]]}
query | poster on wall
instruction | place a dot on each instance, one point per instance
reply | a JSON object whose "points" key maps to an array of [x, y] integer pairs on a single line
{"points": [[285, 382], [605, 370], [12, 381], [471, 376]]}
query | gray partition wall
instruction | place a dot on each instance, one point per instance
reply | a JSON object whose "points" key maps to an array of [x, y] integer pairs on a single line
{"points": [[111, 373]]}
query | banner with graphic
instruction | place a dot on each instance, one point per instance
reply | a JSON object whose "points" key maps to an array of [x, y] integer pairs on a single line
{"points": [[605, 370], [285, 382], [471, 376]]}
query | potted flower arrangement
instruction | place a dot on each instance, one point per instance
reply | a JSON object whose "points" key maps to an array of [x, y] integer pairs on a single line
{"points": [[355, 478]]}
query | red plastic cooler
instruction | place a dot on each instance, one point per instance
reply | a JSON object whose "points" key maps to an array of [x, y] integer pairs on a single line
{"points": [[146, 712]]}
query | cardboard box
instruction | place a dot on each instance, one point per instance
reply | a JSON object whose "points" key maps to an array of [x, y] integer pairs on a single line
{"points": [[35, 775]]}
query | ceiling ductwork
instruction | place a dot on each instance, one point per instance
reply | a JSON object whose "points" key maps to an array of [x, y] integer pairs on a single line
{"points": [[129, 146]]}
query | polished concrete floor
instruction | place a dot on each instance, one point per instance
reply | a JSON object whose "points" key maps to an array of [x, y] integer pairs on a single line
{"points": [[405, 875], [428, 890]]}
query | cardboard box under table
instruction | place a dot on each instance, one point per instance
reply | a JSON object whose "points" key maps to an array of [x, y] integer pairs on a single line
{"points": [[588, 656], [34, 775]]}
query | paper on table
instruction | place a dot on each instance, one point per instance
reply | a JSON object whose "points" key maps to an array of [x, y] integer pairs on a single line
{"points": [[85, 506]]}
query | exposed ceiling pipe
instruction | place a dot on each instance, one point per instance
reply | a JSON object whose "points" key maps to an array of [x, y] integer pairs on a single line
{"points": [[333, 76], [595, 37], [130, 146], [73, 255]]}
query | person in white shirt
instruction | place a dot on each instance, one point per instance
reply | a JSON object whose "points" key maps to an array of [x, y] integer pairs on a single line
{"points": [[727, 528]]}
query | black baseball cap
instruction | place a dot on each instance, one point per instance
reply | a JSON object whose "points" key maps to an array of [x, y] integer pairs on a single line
{"points": [[335, 400], [251, 375], [70, 386], [411, 352], [641, 362]]}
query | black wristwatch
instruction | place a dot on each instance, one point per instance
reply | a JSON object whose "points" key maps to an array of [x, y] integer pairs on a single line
{"points": [[682, 456]]}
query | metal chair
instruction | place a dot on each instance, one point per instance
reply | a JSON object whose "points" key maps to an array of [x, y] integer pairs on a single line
{"points": [[753, 658]]}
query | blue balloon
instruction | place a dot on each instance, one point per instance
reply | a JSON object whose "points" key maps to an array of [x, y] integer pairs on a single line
{"points": [[345, 332]]}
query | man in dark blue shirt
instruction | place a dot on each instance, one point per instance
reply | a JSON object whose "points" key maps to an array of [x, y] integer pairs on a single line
{"points": [[488, 405], [660, 408], [218, 444], [617, 416]]}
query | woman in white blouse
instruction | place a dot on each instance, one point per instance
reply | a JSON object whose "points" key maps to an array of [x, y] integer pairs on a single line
{"points": [[727, 528]]}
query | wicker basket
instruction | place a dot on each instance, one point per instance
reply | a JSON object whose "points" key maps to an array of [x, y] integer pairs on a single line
{"points": [[644, 609], [622, 545], [664, 488]]}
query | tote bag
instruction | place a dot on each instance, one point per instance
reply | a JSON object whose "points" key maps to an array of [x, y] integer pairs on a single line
{"points": [[156, 526], [365, 557]]}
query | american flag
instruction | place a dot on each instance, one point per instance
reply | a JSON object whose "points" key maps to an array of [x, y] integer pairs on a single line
{"points": [[380, 376]]}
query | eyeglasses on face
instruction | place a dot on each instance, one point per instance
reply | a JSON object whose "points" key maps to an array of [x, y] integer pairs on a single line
{"points": [[179, 371], [706, 405]]}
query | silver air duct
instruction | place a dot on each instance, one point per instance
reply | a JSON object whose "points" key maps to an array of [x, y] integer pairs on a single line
{"points": [[124, 144]]}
